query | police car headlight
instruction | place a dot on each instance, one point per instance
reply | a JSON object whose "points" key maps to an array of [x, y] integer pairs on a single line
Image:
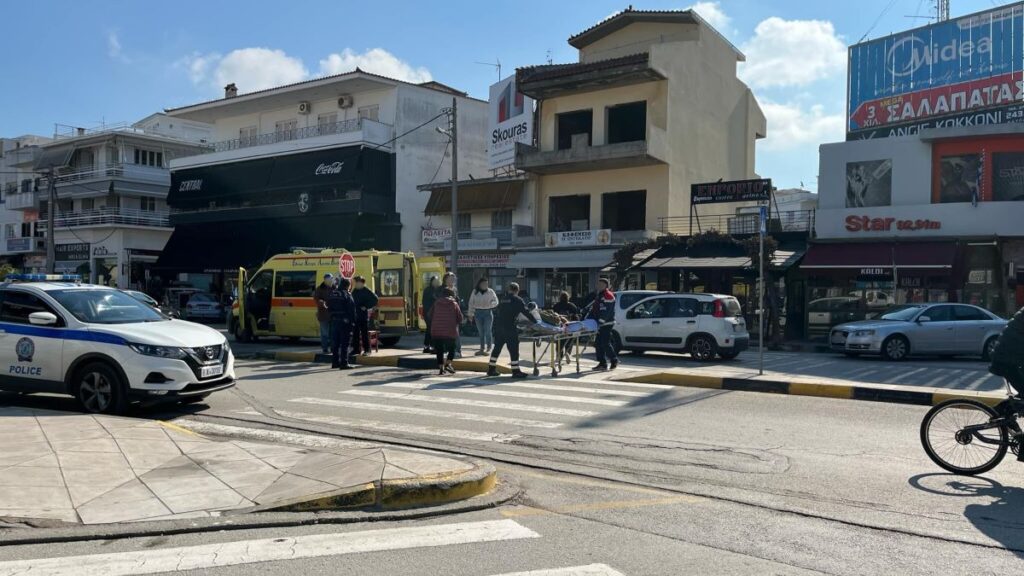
{"points": [[159, 351]]}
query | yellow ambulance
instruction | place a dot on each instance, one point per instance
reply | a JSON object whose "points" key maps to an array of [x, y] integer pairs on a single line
{"points": [[277, 300]]}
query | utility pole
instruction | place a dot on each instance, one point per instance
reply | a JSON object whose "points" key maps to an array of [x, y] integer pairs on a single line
{"points": [[760, 289], [51, 206], [453, 119]]}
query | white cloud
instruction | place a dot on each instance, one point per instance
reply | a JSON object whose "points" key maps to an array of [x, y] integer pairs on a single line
{"points": [[792, 53], [376, 60], [114, 49], [713, 13], [258, 68], [791, 126]]}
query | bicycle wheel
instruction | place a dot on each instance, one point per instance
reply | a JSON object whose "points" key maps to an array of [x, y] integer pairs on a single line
{"points": [[962, 453]]}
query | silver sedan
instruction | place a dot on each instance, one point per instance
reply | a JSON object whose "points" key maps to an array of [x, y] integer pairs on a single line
{"points": [[921, 329]]}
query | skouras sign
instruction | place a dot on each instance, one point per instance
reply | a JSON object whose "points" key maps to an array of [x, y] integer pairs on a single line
{"points": [[510, 121]]}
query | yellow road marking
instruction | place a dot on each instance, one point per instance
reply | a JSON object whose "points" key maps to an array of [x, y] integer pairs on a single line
{"points": [[177, 428]]}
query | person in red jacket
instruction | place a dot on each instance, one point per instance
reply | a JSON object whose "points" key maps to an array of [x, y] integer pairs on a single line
{"points": [[445, 319]]}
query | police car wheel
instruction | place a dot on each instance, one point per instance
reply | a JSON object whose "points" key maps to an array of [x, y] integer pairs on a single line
{"points": [[99, 389]]}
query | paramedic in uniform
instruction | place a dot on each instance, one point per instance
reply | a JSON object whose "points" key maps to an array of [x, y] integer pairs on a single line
{"points": [[506, 333], [343, 316], [603, 311]]}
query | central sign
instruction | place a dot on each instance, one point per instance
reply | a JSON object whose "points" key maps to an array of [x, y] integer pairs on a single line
{"points": [[347, 266], [759, 190]]}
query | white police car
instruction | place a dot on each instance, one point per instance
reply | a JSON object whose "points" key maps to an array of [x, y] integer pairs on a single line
{"points": [[103, 346]]}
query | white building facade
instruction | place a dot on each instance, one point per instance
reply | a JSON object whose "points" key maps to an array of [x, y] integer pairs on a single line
{"points": [[22, 243]]}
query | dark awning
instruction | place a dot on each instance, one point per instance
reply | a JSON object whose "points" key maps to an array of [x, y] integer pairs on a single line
{"points": [[477, 196], [55, 157], [702, 257], [911, 255]]}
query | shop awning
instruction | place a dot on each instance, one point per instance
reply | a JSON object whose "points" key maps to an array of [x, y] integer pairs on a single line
{"points": [[547, 259], [490, 195], [782, 260], [910, 255]]}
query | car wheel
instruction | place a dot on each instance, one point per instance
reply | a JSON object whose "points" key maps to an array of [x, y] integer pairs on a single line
{"points": [[990, 347], [703, 348], [99, 389], [895, 348]]}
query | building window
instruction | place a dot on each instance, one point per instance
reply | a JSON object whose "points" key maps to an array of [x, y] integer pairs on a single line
{"points": [[285, 129], [88, 204], [627, 122], [370, 112], [247, 136], [571, 123], [501, 220], [569, 213], [149, 158], [148, 204], [9, 230], [624, 210], [327, 123], [464, 222]]}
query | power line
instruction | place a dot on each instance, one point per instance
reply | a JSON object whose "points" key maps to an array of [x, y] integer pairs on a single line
{"points": [[441, 163], [877, 20], [407, 132]]}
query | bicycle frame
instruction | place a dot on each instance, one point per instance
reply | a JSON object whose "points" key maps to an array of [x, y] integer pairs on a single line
{"points": [[1009, 409]]}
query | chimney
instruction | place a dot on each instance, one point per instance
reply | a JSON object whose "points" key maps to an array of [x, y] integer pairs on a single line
{"points": [[230, 91]]}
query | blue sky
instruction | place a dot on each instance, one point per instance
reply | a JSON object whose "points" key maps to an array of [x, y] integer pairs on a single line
{"points": [[81, 63]]}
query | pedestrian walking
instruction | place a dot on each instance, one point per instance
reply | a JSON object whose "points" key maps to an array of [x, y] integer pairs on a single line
{"points": [[451, 284], [323, 315], [430, 294], [446, 316], [365, 301], [603, 311], [482, 304], [506, 331], [343, 315]]}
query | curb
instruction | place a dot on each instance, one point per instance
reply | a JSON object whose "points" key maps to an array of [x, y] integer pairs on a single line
{"points": [[895, 394]]}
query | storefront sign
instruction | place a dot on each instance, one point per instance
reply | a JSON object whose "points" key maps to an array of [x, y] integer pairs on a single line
{"points": [[736, 191], [578, 238], [1011, 114], [869, 224], [102, 251], [511, 121], [325, 168], [71, 252], [19, 244], [480, 260], [876, 271], [967, 64], [435, 235], [473, 244], [979, 277], [911, 282]]}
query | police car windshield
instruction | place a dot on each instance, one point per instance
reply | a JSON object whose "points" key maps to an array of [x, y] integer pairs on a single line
{"points": [[105, 307]]}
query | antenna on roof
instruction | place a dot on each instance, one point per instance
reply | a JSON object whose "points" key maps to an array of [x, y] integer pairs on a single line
{"points": [[548, 57], [496, 64]]}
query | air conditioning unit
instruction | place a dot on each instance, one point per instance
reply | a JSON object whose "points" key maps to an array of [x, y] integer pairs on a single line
{"points": [[345, 101], [305, 107]]}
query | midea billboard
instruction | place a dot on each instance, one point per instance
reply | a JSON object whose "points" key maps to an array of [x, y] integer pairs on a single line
{"points": [[947, 70], [511, 121]]}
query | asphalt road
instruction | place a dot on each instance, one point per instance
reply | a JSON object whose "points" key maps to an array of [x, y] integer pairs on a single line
{"points": [[623, 479]]}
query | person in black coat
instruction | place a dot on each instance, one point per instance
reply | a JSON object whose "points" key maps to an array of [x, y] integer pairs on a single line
{"points": [[343, 315], [1008, 355], [430, 294], [365, 301]]}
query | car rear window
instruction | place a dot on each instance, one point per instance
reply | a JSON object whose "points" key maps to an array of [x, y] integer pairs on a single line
{"points": [[730, 305]]}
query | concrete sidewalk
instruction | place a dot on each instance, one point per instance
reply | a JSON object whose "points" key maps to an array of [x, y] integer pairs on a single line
{"points": [[75, 468]]}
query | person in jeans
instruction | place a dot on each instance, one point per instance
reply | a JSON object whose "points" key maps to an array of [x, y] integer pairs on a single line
{"points": [[430, 294], [445, 318], [482, 303], [1008, 361], [366, 300], [603, 310], [451, 284], [323, 315]]}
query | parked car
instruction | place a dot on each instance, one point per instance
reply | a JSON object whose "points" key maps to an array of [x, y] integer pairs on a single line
{"points": [[921, 329], [705, 325], [204, 306], [824, 313], [151, 302]]}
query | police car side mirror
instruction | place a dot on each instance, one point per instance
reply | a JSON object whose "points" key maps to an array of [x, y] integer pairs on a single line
{"points": [[42, 319]]}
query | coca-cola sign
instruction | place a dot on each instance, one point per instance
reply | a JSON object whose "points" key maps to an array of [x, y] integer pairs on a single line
{"points": [[333, 168]]}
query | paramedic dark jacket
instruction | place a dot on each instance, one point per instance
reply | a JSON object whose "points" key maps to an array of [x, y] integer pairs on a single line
{"points": [[603, 308], [510, 306], [341, 306], [1009, 350], [365, 300]]}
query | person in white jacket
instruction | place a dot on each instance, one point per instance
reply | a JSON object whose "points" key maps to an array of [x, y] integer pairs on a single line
{"points": [[482, 304]]}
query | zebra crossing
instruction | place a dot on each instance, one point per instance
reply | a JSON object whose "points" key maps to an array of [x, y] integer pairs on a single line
{"points": [[469, 408], [296, 548]]}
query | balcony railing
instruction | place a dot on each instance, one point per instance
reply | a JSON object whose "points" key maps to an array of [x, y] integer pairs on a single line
{"points": [[124, 171], [504, 236], [739, 224], [326, 129], [109, 217]]}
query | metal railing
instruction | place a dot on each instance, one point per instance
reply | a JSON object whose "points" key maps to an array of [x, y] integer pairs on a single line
{"points": [[739, 224], [504, 236], [109, 217], [325, 129], [139, 171]]}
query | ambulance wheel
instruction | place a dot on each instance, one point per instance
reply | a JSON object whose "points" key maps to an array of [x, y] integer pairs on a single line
{"points": [[100, 390], [388, 341]]}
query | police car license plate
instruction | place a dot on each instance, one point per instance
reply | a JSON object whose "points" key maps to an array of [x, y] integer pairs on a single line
{"points": [[210, 371]]}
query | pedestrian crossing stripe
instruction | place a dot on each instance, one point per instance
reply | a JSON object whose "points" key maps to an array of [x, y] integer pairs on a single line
{"points": [[413, 410], [236, 553], [540, 386], [435, 399], [506, 393], [588, 570]]}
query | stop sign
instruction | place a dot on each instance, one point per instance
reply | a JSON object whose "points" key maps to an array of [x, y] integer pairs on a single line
{"points": [[347, 266]]}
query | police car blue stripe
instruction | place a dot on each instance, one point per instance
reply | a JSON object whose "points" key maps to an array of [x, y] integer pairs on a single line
{"points": [[62, 333]]}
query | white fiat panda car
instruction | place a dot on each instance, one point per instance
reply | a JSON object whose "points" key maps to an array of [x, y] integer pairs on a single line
{"points": [[103, 346]]}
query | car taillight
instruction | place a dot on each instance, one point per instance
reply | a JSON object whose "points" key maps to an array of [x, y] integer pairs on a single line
{"points": [[719, 309]]}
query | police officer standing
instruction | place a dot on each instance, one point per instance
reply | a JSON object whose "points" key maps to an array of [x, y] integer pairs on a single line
{"points": [[365, 301], [603, 310], [506, 332], [343, 315]]}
